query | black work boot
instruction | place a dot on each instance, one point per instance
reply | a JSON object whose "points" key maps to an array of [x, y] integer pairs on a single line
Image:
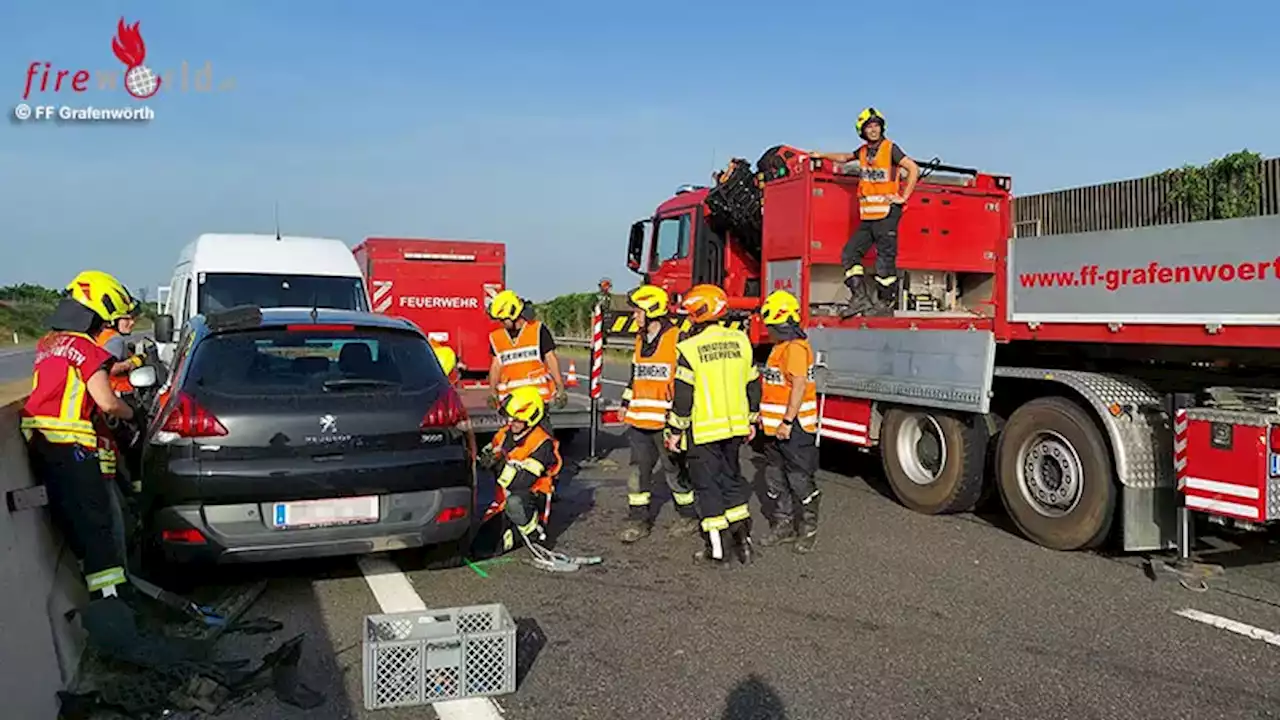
{"points": [[808, 525], [886, 301], [741, 532], [634, 530], [783, 531], [859, 302]]}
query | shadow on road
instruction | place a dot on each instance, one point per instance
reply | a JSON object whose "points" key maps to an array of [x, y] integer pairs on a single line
{"points": [[753, 699], [530, 640]]}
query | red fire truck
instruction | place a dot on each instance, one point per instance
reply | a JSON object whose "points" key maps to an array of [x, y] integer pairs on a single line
{"points": [[444, 288], [1085, 377]]}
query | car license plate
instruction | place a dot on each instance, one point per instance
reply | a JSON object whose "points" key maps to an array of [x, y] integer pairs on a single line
{"points": [[318, 513]]}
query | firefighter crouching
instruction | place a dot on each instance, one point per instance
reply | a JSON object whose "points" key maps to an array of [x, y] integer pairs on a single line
{"points": [[789, 419], [647, 400], [715, 407], [524, 353]]}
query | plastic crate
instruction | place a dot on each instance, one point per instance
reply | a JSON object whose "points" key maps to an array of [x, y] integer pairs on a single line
{"points": [[428, 656]]}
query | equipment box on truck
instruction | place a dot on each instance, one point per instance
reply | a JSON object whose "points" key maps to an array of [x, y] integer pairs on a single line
{"points": [[445, 287]]}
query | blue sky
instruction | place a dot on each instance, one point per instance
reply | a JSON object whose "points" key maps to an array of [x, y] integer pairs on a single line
{"points": [[552, 126]]}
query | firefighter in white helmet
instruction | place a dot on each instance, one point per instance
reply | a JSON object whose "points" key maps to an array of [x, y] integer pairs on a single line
{"points": [[646, 402], [789, 420]]}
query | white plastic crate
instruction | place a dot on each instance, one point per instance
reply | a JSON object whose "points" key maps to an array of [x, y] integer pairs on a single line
{"points": [[428, 656]]}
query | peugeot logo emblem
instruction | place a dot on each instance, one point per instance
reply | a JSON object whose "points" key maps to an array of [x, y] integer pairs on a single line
{"points": [[328, 423]]}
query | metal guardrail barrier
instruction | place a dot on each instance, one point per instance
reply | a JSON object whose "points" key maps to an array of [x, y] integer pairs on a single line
{"points": [[615, 343]]}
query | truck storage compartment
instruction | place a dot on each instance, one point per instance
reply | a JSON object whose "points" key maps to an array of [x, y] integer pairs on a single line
{"points": [[1227, 455]]}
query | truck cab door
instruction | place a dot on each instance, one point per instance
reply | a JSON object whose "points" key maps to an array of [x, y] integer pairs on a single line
{"points": [[708, 254], [670, 264]]}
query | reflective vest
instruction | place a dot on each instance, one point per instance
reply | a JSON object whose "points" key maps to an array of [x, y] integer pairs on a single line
{"points": [[119, 383], [878, 180], [653, 379], [519, 453], [59, 406], [776, 388], [521, 360], [720, 366]]}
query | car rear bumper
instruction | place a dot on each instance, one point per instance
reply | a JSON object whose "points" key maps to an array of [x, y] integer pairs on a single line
{"points": [[242, 533]]}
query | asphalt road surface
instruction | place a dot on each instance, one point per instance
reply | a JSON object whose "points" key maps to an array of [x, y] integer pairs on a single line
{"points": [[895, 615], [15, 363]]}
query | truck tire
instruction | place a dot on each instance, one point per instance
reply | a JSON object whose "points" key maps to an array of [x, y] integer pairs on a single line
{"points": [[1054, 472], [933, 460]]}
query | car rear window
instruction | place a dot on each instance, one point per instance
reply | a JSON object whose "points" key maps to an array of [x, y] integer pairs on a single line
{"points": [[308, 361]]}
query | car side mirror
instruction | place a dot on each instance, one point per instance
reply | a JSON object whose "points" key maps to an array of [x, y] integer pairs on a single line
{"points": [[635, 247], [164, 329], [144, 377]]}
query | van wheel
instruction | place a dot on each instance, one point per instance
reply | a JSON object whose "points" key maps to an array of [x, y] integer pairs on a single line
{"points": [[933, 460], [1055, 475]]}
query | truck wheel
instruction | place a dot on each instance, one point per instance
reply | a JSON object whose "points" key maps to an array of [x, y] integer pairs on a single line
{"points": [[1054, 472], [933, 460]]}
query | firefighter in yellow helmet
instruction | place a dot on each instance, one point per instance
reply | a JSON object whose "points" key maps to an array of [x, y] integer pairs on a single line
{"points": [[448, 360], [524, 353], [714, 409], [789, 419], [646, 402], [882, 196]]}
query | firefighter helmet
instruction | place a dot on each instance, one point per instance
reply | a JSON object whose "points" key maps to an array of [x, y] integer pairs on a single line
{"points": [[525, 404], [780, 307], [506, 305], [106, 296], [869, 115], [447, 357], [705, 303], [650, 299]]}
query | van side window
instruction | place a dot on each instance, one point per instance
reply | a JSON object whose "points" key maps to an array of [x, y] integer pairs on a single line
{"points": [[187, 310]]}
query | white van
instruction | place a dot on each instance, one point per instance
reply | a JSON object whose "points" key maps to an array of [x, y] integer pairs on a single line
{"points": [[217, 272]]}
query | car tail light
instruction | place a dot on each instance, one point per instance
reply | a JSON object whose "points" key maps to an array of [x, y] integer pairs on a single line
{"points": [[448, 411], [188, 419], [1275, 438], [450, 514], [190, 536]]}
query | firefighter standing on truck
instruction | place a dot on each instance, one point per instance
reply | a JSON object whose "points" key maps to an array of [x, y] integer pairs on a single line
{"points": [[524, 353], [646, 402], [70, 387], [881, 198], [789, 419], [714, 409]]}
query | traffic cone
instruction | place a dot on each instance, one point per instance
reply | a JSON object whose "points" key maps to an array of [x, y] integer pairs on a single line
{"points": [[571, 377]]}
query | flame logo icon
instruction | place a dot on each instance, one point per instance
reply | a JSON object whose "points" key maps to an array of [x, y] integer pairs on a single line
{"points": [[139, 80]]}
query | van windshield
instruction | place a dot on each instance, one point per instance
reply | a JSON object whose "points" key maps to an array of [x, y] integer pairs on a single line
{"points": [[220, 291]]}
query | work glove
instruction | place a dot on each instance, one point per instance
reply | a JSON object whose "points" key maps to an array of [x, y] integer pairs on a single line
{"points": [[485, 457], [562, 398], [495, 402]]}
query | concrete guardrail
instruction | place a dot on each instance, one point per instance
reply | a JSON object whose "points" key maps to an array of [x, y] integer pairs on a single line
{"points": [[39, 582]]}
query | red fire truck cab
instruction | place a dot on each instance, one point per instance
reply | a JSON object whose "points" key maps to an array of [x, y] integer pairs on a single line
{"points": [[1063, 371]]}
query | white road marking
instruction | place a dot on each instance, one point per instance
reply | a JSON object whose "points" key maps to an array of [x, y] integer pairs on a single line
{"points": [[395, 594], [1230, 625]]}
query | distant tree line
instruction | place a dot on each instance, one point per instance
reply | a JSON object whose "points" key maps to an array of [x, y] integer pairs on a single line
{"points": [[570, 315], [27, 293]]}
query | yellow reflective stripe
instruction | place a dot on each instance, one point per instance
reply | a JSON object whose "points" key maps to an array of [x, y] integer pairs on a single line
{"points": [[854, 271], [72, 396], [626, 394], [887, 281], [530, 527], [105, 578], [533, 466], [679, 422], [44, 422], [737, 513], [716, 522], [638, 499], [508, 474], [683, 498], [685, 375]]}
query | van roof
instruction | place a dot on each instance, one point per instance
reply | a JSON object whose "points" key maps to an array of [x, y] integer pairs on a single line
{"points": [[249, 253]]}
